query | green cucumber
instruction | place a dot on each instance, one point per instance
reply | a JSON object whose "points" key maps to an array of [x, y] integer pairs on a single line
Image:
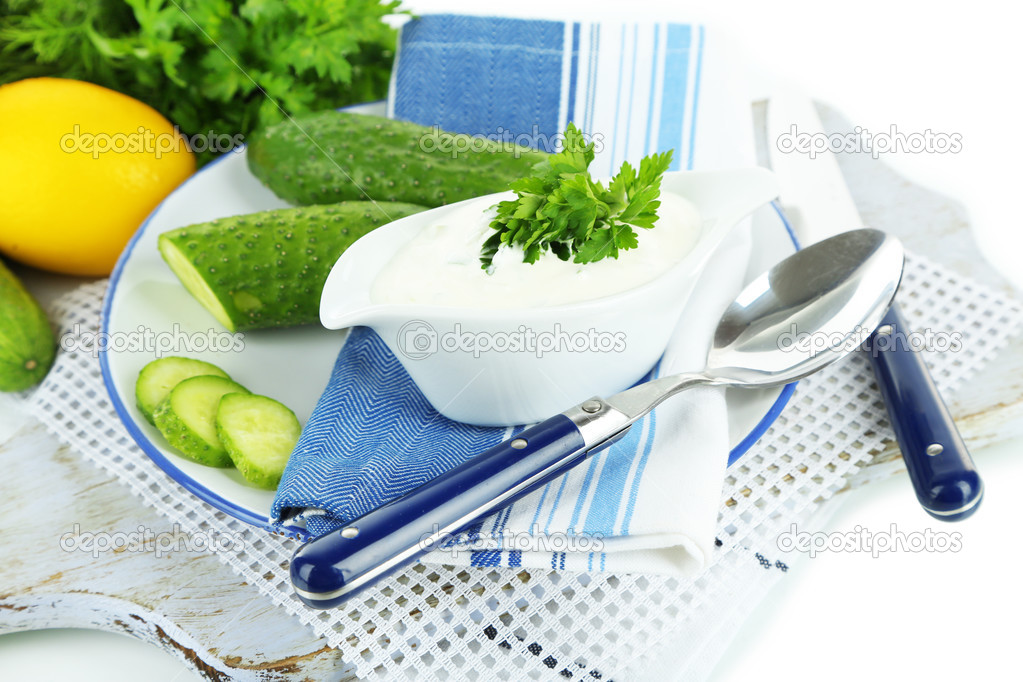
{"points": [[259, 435], [159, 377], [268, 269], [330, 156], [187, 418], [27, 346]]}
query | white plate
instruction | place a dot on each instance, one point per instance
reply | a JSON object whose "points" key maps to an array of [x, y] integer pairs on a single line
{"points": [[291, 365]]}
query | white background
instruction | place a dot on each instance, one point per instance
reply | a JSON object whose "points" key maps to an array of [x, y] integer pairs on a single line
{"points": [[948, 67]]}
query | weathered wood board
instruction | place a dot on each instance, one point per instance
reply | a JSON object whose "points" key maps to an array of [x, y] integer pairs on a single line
{"points": [[187, 602]]}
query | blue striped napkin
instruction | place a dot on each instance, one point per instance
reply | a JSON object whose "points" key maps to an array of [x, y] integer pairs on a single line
{"points": [[649, 503]]}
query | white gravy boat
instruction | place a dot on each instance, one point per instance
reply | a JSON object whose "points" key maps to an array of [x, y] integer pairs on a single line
{"points": [[495, 388]]}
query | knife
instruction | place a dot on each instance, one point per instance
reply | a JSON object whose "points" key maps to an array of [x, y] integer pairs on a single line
{"points": [[817, 203]]}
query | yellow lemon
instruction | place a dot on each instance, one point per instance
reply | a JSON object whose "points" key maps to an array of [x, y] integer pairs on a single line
{"points": [[81, 167]]}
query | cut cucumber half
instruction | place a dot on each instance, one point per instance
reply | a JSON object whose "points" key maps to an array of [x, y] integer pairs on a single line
{"points": [[159, 377], [187, 418], [267, 269], [259, 435]]}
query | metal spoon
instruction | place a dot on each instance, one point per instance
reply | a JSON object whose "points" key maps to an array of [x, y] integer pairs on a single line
{"points": [[804, 313]]}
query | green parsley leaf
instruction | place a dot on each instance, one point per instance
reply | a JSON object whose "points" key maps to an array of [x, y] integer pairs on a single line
{"points": [[560, 208]]}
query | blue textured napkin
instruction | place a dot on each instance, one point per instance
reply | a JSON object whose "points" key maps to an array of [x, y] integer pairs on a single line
{"points": [[648, 503], [371, 437]]}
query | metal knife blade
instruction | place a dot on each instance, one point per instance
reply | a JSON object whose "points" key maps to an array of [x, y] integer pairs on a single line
{"points": [[817, 202]]}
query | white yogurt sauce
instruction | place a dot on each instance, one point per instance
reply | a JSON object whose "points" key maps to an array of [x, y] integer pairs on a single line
{"points": [[441, 265]]}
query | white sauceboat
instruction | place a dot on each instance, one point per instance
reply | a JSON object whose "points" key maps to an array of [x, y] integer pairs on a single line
{"points": [[520, 387]]}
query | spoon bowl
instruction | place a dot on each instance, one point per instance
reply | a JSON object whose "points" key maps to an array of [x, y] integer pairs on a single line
{"points": [[807, 310]]}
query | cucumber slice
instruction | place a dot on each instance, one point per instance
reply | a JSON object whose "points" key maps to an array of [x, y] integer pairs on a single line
{"points": [[187, 418], [159, 377], [259, 435]]}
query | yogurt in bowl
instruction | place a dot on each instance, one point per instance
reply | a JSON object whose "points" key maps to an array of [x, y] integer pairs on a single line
{"points": [[441, 264], [520, 342]]}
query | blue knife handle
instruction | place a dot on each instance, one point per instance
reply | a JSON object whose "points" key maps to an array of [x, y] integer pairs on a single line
{"points": [[939, 465], [334, 567]]}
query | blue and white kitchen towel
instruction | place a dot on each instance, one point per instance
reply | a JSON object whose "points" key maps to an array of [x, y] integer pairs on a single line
{"points": [[649, 503]]}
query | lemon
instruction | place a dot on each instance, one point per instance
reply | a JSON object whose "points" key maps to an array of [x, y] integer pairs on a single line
{"points": [[81, 167]]}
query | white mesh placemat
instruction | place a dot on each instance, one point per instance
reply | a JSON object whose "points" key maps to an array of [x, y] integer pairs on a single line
{"points": [[474, 623]]}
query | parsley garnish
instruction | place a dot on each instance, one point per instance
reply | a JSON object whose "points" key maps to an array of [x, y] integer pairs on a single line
{"points": [[213, 67], [560, 208]]}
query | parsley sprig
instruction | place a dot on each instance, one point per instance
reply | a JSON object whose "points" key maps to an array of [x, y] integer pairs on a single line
{"points": [[226, 67], [560, 208]]}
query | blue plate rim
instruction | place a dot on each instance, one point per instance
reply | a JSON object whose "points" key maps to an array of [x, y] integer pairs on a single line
{"points": [[248, 516]]}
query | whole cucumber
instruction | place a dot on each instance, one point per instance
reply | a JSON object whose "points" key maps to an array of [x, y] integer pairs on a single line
{"points": [[27, 346], [268, 269], [331, 156]]}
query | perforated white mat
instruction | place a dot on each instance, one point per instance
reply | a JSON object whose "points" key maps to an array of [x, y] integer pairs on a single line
{"points": [[446, 623]]}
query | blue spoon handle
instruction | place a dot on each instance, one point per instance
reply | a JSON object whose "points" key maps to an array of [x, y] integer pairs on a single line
{"points": [[334, 567], [939, 465]]}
